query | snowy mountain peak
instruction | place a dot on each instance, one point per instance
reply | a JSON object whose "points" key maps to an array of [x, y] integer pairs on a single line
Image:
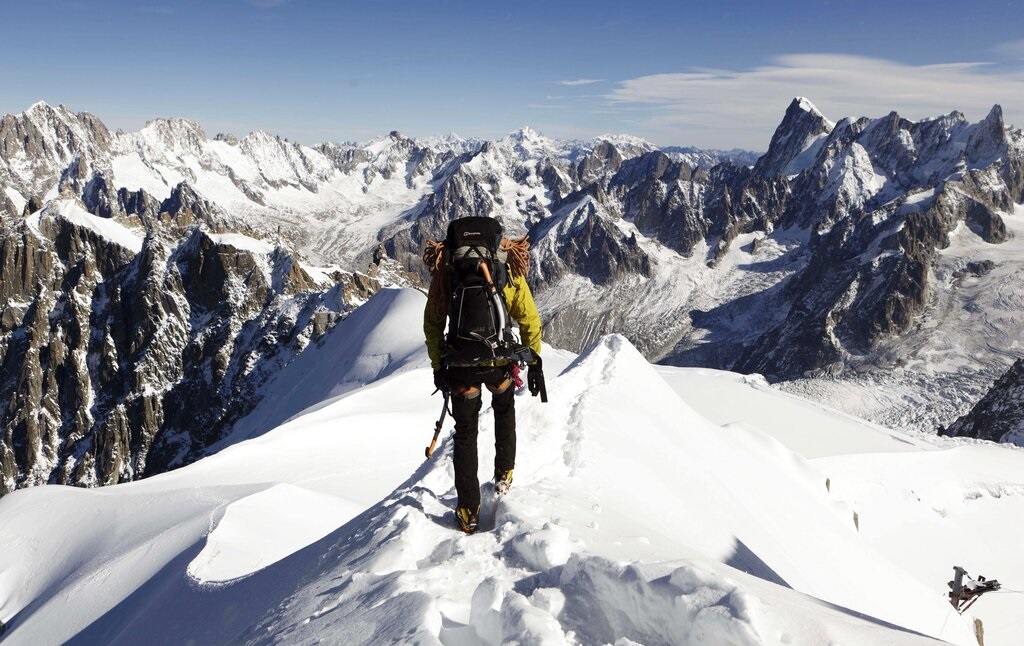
{"points": [[42, 147], [39, 107], [452, 142], [526, 133], [41, 112], [995, 115], [796, 140], [528, 143], [261, 138], [988, 140], [629, 145], [174, 125], [47, 118], [380, 145], [803, 103], [175, 133]]}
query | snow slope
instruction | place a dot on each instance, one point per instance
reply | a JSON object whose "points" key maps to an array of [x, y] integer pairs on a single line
{"points": [[104, 227], [370, 344], [650, 505]]}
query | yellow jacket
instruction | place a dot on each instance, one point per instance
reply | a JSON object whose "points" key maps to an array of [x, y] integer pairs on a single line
{"points": [[521, 307]]}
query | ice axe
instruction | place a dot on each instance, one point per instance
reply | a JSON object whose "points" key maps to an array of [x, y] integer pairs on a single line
{"points": [[437, 427]]}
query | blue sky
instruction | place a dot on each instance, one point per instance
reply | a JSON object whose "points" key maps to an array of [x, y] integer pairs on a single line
{"points": [[711, 74]]}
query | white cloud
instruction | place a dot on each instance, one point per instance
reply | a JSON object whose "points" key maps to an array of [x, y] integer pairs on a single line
{"points": [[575, 82], [725, 108], [1013, 50]]}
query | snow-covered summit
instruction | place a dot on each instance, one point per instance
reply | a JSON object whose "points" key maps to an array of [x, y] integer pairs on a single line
{"points": [[627, 142], [42, 109], [452, 142], [796, 141], [167, 139], [805, 104], [527, 144]]}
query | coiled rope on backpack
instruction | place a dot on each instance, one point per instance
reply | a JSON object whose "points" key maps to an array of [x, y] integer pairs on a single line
{"points": [[435, 257]]}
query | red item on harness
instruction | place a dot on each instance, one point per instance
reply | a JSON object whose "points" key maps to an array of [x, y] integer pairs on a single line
{"points": [[516, 378]]}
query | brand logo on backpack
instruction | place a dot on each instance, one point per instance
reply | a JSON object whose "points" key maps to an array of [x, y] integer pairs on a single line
{"points": [[478, 331]]}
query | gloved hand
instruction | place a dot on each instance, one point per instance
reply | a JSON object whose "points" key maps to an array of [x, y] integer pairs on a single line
{"points": [[535, 380], [440, 382]]}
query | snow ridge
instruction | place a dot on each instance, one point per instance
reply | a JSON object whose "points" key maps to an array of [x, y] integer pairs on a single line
{"points": [[293, 537]]}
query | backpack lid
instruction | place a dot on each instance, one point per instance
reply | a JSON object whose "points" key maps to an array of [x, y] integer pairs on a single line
{"points": [[474, 231]]}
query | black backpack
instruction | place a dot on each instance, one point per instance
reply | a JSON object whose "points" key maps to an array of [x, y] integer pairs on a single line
{"points": [[479, 330]]}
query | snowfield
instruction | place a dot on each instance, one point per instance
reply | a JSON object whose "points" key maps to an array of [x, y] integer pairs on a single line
{"points": [[651, 505]]}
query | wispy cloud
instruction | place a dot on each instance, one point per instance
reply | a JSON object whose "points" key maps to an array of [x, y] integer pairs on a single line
{"points": [[545, 106], [742, 107], [1013, 50], [574, 82], [267, 4]]}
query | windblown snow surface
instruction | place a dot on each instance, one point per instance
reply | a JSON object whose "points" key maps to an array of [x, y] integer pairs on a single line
{"points": [[651, 505]]}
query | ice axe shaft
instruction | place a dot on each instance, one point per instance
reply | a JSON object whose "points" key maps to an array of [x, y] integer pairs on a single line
{"points": [[485, 270], [437, 427]]}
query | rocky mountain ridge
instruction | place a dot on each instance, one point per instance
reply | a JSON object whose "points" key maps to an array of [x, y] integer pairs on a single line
{"points": [[999, 415], [823, 258], [126, 351]]}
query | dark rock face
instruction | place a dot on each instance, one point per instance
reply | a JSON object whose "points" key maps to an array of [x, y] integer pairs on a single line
{"points": [[100, 198], [119, 364], [185, 202], [604, 159], [587, 244], [137, 203], [999, 416]]}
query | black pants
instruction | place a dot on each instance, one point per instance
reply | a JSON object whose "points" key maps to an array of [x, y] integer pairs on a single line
{"points": [[466, 387]]}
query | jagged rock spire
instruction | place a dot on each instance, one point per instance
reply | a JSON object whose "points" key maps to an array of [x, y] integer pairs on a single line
{"points": [[802, 125]]}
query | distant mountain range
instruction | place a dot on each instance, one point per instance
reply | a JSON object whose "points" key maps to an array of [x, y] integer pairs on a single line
{"points": [[144, 306]]}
